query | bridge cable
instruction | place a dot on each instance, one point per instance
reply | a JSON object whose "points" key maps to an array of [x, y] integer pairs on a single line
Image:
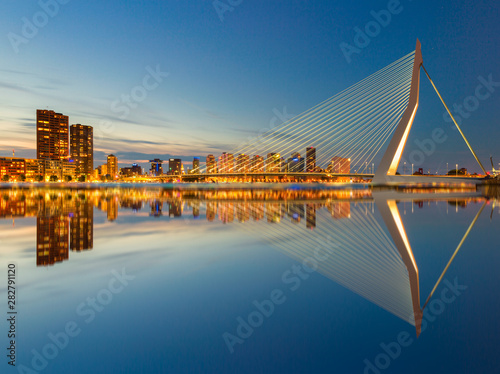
{"points": [[455, 122]]}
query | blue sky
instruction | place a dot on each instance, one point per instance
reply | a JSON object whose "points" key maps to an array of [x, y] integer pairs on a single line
{"points": [[228, 78]]}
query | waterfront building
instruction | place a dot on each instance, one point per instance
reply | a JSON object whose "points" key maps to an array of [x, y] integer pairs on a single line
{"points": [[222, 163], [134, 170], [61, 169], [34, 169], [311, 159], [51, 135], [13, 167], [211, 165], [68, 169], [273, 163], [230, 163], [226, 163], [52, 168], [82, 148], [196, 165], [112, 166], [242, 163], [257, 164], [296, 164], [283, 165], [103, 170], [156, 167], [174, 166]]}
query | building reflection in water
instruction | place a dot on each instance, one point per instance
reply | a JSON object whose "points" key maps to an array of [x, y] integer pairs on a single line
{"points": [[156, 208], [371, 258], [51, 239], [82, 226], [175, 208], [211, 210]]}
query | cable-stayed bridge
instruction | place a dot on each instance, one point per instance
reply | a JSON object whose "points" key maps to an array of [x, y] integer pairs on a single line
{"points": [[343, 135]]}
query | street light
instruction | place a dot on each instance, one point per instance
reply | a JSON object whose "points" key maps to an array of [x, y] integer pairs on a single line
{"points": [[404, 169], [447, 170], [411, 169], [456, 170]]}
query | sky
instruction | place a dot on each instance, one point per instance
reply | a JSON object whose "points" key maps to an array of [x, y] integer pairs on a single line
{"points": [[189, 78]]}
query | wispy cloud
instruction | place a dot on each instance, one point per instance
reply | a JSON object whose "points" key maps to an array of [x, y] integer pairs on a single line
{"points": [[15, 87], [207, 112], [137, 141]]}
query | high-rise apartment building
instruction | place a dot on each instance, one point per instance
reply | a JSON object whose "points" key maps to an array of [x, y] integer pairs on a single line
{"points": [[211, 165], [82, 148], [242, 163], [174, 166], [223, 163], [273, 163], [51, 135], [311, 159], [156, 167], [257, 164], [230, 163], [295, 163], [196, 165], [226, 163], [112, 166]]}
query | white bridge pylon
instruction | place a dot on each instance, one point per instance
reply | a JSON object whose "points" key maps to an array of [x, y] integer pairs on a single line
{"points": [[386, 171]]}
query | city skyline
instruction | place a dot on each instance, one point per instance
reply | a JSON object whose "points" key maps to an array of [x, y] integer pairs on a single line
{"points": [[65, 153], [193, 106]]}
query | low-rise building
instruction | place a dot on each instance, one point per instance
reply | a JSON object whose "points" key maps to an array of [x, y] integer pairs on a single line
{"points": [[134, 170], [13, 167], [34, 169]]}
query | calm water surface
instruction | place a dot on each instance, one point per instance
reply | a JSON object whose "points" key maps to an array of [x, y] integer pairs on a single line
{"points": [[284, 280]]}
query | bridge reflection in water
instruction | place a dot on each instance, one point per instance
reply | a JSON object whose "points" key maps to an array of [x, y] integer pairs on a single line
{"points": [[335, 232]]}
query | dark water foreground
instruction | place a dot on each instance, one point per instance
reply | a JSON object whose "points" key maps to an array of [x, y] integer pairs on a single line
{"points": [[280, 279]]}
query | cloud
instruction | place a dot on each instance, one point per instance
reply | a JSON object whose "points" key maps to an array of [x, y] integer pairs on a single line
{"points": [[12, 71], [137, 141], [207, 112], [15, 87]]}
